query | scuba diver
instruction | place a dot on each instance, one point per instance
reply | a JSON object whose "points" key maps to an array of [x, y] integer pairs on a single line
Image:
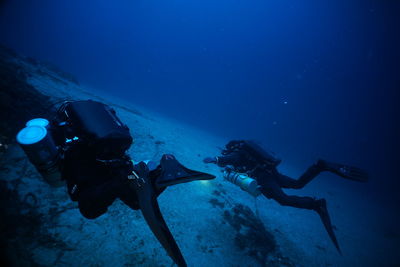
{"points": [[85, 146], [250, 159]]}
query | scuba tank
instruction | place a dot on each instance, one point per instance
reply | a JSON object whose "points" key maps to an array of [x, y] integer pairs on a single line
{"points": [[38, 144], [245, 182]]}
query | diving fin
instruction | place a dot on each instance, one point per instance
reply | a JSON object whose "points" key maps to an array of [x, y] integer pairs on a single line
{"points": [[147, 197], [172, 173], [347, 172], [326, 220]]}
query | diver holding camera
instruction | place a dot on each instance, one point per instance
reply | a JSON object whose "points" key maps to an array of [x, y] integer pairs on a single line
{"points": [[252, 168], [85, 146]]}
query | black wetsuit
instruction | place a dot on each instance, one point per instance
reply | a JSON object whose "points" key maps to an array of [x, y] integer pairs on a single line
{"points": [[94, 184], [272, 182]]}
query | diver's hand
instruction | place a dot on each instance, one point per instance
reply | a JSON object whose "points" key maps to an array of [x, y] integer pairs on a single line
{"points": [[210, 160]]}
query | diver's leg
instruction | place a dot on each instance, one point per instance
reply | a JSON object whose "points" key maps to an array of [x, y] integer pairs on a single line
{"points": [[272, 190], [93, 202], [129, 197], [344, 171], [313, 171]]}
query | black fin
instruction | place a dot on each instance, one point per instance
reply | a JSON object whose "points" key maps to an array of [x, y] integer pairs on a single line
{"points": [[172, 172], [348, 172], [147, 197], [326, 220]]}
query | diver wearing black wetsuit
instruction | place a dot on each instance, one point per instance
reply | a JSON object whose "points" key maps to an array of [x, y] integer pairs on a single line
{"points": [[93, 144], [94, 184], [247, 157]]}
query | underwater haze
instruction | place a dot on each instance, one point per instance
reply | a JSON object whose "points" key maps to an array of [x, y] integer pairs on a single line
{"points": [[308, 79]]}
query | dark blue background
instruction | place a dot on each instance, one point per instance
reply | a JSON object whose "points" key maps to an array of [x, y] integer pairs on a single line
{"points": [[308, 78]]}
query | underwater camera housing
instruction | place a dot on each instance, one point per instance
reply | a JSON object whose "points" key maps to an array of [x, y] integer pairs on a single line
{"points": [[88, 123], [97, 125]]}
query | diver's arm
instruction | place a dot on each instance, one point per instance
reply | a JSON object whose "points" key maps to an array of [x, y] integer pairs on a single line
{"points": [[233, 158]]}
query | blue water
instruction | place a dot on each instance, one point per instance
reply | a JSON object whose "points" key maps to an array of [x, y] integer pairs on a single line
{"points": [[307, 78]]}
